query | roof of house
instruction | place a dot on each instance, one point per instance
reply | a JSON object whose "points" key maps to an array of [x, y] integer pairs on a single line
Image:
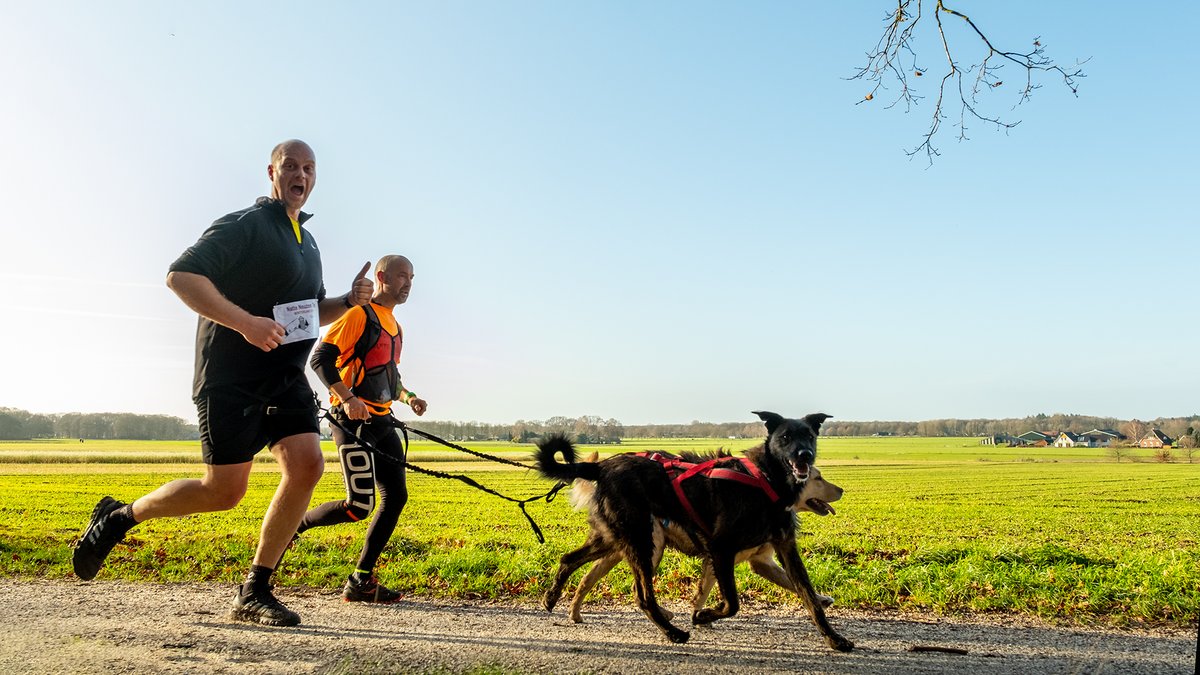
{"points": [[1040, 435], [1157, 433]]}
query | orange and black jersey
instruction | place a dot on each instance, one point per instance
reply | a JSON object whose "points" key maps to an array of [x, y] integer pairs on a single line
{"points": [[334, 358], [253, 258]]}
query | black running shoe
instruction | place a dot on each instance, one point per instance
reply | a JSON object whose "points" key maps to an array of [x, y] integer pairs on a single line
{"points": [[97, 541], [262, 607], [368, 591]]}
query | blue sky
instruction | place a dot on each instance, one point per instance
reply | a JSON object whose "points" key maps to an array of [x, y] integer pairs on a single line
{"points": [[657, 212]]}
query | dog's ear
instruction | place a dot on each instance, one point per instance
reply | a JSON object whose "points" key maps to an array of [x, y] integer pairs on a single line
{"points": [[814, 420], [773, 420]]}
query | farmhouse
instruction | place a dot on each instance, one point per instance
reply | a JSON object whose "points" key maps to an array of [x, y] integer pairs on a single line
{"points": [[1156, 439], [1096, 438], [1066, 439], [1100, 438], [1037, 438]]}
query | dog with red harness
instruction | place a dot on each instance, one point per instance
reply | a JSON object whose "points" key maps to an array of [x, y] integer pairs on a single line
{"points": [[816, 498], [724, 505]]}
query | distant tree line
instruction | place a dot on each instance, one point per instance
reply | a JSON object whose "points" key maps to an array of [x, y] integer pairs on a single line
{"points": [[18, 425], [592, 429], [586, 429], [22, 425], [1176, 427]]}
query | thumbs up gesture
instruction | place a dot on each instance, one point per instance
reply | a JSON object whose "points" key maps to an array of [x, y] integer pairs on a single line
{"points": [[361, 288]]}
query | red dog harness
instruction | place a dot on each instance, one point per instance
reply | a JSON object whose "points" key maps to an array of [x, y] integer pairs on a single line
{"points": [[680, 471]]}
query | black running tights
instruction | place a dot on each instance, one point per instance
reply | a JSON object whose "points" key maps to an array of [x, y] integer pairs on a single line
{"points": [[366, 473]]}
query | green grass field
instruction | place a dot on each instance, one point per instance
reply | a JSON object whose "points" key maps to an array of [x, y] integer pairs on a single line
{"points": [[927, 524]]}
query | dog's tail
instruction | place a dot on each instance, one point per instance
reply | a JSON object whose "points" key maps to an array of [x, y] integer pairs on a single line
{"points": [[583, 490], [552, 468]]}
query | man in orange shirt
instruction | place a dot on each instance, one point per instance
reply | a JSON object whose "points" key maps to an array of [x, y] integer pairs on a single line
{"points": [[357, 360]]}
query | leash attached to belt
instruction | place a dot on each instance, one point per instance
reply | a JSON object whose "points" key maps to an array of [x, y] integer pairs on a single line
{"points": [[403, 461]]}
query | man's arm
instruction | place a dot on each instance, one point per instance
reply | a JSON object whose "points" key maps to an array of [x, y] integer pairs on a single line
{"points": [[198, 292], [330, 309], [324, 364]]}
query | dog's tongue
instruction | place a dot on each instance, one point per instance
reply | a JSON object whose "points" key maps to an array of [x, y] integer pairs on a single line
{"points": [[820, 507]]}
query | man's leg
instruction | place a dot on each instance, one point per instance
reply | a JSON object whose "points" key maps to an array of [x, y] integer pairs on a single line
{"points": [[301, 465], [221, 488], [362, 586], [229, 439], [357, 474]]}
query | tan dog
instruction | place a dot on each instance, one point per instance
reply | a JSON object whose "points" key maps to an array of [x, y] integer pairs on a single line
{"points": [[815, 498]]}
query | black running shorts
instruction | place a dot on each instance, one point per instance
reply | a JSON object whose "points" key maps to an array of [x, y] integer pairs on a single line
{"points": [[235, 426]]}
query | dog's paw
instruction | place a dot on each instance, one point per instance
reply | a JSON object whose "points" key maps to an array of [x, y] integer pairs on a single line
{"points": [[839, 643], [549, 601], [705, 617], [677, 636], [824, 600]]}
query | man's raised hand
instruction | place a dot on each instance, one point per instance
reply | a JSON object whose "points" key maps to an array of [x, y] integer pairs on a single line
{"points": [[361, 288]]}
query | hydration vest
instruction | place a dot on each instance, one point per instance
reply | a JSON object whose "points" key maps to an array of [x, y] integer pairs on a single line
{"points": [[378, 382]]}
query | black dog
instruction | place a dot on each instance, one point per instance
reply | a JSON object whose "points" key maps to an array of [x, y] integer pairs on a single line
{"points": [[722, 516]]}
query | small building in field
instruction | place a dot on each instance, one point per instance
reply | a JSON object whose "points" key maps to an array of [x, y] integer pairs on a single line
{"points": [[1000, 439], [1156, 439], [1099, 438], [1066, 439], [1037, 438]]}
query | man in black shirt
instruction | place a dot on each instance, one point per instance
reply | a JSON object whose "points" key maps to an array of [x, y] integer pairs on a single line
{"points": [[254, 277]]}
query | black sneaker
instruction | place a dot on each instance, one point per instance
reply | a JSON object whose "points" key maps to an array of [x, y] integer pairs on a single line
{"points": [[262, 607], [368, 591], [97, 541]]}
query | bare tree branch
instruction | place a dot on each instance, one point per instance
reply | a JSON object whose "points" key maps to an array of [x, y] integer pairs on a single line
{"points": [[894, 59]]}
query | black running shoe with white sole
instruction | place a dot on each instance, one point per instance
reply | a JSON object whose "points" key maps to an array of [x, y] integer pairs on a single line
{"points": [[262, 607], [98, 540], [368, 591]]}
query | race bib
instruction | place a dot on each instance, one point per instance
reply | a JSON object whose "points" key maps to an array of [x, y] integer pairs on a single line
{"points": [[299, 320]]}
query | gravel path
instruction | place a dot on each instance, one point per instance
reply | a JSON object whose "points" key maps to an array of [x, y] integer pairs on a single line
{"points": [[116, 627]]}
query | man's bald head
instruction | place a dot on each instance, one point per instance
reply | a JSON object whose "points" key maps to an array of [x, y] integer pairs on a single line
{"points": [[279, 151], [388, 260]]}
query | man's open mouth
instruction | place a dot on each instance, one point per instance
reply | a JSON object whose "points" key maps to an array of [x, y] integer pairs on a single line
{"points": [[297, 190]]}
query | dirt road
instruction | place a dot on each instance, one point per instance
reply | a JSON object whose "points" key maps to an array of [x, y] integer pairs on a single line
{"points": [[113, 627]]}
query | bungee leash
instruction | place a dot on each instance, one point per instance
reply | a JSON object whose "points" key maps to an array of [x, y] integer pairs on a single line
{"points": [[403, 461]]}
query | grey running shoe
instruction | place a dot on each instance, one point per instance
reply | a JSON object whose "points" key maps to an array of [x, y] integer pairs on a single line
{"points": [[97, 541], [368, 591], [262, 607]]}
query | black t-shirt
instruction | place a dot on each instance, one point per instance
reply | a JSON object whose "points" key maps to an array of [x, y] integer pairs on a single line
{"points": [[252, 257]]}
